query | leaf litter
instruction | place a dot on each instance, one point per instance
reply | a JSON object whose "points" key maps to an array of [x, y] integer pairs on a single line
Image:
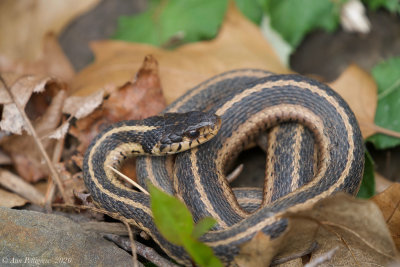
{"points": [[354, 230]]}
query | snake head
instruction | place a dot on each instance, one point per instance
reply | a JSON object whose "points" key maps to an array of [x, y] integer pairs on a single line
{"points": [[183, 131]]}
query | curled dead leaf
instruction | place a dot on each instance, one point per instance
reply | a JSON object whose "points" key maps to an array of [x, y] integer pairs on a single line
{"points": [[134, 100], [22, 149], [22, 89]]}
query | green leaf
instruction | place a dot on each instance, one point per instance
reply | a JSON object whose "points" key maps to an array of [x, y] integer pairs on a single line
{"points": [[203, 226], [171, 216], [367, 188], [202, 254], [293, 19], [190, 20], [391, 5], [387, 77], [175, 223], [252, 9]]}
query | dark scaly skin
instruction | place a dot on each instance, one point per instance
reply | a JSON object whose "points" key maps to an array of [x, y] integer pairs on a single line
{"points": [[334, 129]]}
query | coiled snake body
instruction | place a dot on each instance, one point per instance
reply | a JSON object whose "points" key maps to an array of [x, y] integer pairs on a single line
{"points": [[248, 102]]}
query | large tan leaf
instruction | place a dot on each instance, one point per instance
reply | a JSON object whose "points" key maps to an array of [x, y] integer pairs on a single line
{"points": [[25, 23], [52, 62], [239, 44], [354, 230], [359, 90]]}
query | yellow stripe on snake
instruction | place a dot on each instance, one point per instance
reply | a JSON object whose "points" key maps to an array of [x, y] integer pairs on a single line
{"points": [[301, 113]]}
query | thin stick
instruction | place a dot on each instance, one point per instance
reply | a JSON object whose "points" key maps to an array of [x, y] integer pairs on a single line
{"points": [[382, 130], [129, 180], [50, 187], [52, 169], [133, 247], [323, 258]]}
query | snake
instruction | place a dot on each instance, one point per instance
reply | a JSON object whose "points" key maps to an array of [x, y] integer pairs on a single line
{"points": [[209, 126]]}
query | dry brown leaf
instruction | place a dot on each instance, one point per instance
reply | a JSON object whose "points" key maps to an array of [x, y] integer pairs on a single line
{"points": [[134, 100], [259, 251], [240, 44], [22, 88], [81, 106], [53, 62], [25, 23], [11, 200], [4, 159], [60, 132], [22, 149], [15, 184], [359, 90], [73, 183], [389, 203], [356, 227]]}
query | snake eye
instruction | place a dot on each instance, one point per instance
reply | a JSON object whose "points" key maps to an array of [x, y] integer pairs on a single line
{"points": [[193, 134]]}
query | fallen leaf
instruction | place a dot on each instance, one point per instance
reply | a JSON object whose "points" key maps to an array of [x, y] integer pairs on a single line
{"points": [[356, 227], [73, 183], [239, 44], [21, 148], [60, 132], [389, 203], [81, 106], [359, 90], [11, 200], [4, 159], [22, 89], [29, 21], [134, 100], [259, 251], [53, 62], [15, 184]]}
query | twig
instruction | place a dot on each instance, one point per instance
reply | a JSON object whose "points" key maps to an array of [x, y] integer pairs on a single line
{"points": [[133, 246], [146, 252], [126, 178], [50, 187], [235, 173], [54, 173], [323, 258], [382, 130]]}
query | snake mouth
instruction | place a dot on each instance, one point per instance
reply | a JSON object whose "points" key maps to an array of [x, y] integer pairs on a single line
{"points": [[204, 134]]}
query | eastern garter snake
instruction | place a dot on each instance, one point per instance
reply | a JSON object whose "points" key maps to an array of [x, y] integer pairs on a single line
{"points": [[248, 101]]}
